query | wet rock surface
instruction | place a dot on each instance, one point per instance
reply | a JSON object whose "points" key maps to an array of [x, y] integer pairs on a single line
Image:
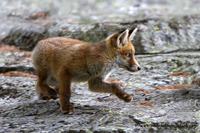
{"points": [[170, 110]]}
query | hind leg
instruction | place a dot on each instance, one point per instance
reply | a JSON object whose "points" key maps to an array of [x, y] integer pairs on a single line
{"points": [[43, 90], [53, 83], [56, 88], [41, 96]]}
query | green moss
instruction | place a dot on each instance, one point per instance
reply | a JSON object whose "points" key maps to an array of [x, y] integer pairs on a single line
{"points": [[156, 28], [88, 131], [153, 52], [180, 81], [174, 66], [120, 131]]}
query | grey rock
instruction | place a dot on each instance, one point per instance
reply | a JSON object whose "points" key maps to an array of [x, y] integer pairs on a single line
{"points": [[174, 110], [156, 34]]}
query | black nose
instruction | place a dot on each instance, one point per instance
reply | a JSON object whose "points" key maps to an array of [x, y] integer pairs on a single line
{"points": [[139, 68]]}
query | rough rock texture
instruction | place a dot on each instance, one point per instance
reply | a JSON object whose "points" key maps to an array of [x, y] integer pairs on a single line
{"points": [[154, 36], [168, 110], [160, 30], [170, 28], [15, 61]]}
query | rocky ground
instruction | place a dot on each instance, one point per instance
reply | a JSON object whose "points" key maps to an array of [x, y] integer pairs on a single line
{"points": [[164, 100], [166, 92]]}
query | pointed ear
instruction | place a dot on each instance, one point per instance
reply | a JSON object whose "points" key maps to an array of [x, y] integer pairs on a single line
{"points": [[121, 39], [132, 34]]}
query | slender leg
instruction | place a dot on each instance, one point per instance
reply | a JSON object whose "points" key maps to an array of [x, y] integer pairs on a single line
{"points": [[56, 88], [41, 96], [112, 80], [42, 89], [65, 92], [98, 85]]}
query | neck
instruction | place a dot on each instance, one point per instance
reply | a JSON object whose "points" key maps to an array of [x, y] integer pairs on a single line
{"points": [[103, 51]]}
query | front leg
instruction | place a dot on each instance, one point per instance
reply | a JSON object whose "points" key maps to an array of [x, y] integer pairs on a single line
{"points": [[112, 80], [98, 85], [65, 92]]}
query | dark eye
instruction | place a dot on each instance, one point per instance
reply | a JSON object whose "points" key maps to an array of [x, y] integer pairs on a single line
{"points": [[128, 55]]}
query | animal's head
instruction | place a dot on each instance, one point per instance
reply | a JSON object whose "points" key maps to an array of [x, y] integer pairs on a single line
{"points": [[125, 50]]}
